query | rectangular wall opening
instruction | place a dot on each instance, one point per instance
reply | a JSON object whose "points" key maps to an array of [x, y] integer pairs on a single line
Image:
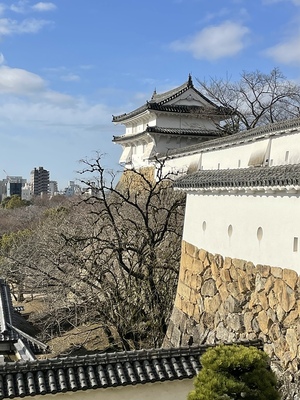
{"points": [[295, 245]]}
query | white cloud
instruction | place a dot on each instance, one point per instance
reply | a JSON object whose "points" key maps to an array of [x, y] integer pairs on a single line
{"points": [[19, 7], [11, 27], [215, 41], [286, 52], [41, 6], [70, 77], [2, 8], [20, 82]]}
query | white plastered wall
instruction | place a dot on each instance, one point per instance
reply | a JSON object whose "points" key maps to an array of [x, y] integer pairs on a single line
{"points": [[208, 218]]}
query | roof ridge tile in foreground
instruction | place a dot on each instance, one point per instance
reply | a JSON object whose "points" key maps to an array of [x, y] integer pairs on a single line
{"points": [[39, 377], [280, 175]]}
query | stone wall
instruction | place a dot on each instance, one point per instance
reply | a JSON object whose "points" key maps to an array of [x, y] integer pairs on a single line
{"points": [[226, 300]]}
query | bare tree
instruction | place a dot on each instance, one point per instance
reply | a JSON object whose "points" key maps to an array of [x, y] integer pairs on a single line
{"points": [[112, 257], [256, 99]]}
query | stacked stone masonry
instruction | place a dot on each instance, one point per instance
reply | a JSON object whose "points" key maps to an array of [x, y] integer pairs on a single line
{"points": [[226, 300]]}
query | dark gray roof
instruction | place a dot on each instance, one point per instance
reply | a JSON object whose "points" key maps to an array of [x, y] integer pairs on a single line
{"points": [[158, 101], [11, 323], [201, 133], [287, 126], [68, 374], [282, 175]]}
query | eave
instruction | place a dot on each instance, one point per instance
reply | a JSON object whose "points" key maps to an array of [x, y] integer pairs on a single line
{"points": [[282, 179], [154, 130]]}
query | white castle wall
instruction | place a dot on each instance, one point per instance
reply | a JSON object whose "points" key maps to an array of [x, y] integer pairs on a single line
{"points": [[281, 149], [264, 229]]}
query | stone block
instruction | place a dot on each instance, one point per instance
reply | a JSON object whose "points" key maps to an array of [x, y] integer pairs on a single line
{"points": [[196, 281], [207, 273], [288, 299], [194, 296], [233, 289], [184, 291], [269, 284], [215, 272], [290, 277], [264, 322], [197, 314], [202, 254], [207, 320], [248, 317], [242, 285], [185, 306], [231, 305], [225, 275], [227, 263], [212, 304], [291, 318], [234, 323], [176, 337], [239, 264], [190, 249], [198, 266], [250, 268], [219, 260], [275, 332], [222, 289], [263, 270], [263, 300], [233, 273], [208, 288], [280, 313], [188, 261], [187, 277], [292, 342], [260, 283], [276, 272], [177, 303]]}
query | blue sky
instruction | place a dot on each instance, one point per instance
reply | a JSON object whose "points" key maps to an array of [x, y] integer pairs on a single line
{"points": [[67, 66]]}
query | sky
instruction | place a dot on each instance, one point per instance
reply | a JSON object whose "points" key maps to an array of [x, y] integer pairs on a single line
{"points": [[67, 66]]}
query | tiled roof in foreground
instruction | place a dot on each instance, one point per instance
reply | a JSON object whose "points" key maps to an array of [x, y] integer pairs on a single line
{"points": [[40, 377], [278, 176]]}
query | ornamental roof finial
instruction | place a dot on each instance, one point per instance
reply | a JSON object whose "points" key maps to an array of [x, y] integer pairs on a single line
{"points": [[154, 93], [190, 81]]}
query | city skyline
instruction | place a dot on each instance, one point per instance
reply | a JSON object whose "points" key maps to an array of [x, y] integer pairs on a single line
{"points": [[67, 67]]}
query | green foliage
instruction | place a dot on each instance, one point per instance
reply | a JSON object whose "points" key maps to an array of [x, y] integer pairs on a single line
{"points": [[14, 202], [235, 372]]}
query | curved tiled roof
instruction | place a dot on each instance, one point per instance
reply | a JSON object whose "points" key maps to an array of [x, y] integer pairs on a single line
{"points": [[278, 176], [205, 133], [68, 374], [158, 101], [287, 126]]}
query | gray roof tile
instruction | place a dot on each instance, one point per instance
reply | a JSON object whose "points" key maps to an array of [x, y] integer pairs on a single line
{"points": [[282, 127], [282, 175], [30, 378], [158, 102]]}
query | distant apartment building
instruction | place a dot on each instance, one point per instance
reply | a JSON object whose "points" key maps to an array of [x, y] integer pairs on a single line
{"points": [[72, 189], [40, 181], [14, 185], [53, 188], [10, 186], [26, 192]]}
